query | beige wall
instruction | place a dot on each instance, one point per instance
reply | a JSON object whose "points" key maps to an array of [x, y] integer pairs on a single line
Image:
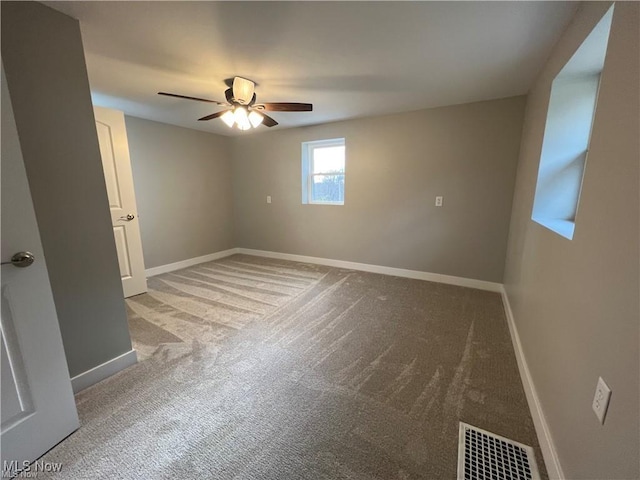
{"points": [[575, 302], [183, 188], [395, 167], [47, 79]]}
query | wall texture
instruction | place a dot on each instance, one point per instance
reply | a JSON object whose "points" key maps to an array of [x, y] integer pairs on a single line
{"points": [[575, 302], [183, 190], [47, 79], [395, 167]]}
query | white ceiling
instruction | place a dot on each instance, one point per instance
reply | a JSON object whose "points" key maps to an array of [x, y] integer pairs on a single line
{"points": [[350, 59]]}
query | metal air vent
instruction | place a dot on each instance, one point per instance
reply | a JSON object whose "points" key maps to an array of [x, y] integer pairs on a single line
{"points": [[485, 456]]}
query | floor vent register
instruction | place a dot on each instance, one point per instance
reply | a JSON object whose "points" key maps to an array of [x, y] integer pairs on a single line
{"points": [[486, 456]]}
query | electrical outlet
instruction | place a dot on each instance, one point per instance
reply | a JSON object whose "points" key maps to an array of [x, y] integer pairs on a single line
{"points": [[601, 399], [438, 201], [268, 198]]}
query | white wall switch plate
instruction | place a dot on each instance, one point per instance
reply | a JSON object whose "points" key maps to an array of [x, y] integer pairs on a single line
{"points": [[601, 400], [438, 201], [268, 198]]}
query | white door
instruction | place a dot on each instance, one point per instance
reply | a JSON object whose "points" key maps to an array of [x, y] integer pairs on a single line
{"points": [[114, 148], [37, 405]]}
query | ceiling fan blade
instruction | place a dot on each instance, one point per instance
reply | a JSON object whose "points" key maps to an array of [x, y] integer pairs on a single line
{"points": [[213, 115], [190, 98], [287, 107], [243, 90], [268, 121]]}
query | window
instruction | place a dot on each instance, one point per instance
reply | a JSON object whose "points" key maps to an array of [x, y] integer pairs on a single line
{"points": [[567, 133], [323, 166]]}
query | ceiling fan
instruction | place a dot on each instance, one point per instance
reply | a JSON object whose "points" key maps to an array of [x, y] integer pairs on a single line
{"points": [[244, 112]]}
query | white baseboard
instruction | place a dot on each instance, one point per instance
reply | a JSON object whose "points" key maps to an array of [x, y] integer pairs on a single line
{"points": [[99, 373], [365, 267], [170, 267], [551, 461]]}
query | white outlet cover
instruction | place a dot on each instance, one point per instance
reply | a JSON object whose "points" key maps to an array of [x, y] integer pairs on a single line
{"points": [[268, 198], [438, 201], [601, 399]]}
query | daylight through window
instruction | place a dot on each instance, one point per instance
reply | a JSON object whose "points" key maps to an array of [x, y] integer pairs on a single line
{"points": [[565, 148], [323, 172]]}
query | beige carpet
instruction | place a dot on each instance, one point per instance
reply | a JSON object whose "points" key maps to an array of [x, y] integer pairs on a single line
{"points": [[263, 369]]}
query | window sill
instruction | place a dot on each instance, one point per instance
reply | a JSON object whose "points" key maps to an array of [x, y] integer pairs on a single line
{"points": [[562, 227]]}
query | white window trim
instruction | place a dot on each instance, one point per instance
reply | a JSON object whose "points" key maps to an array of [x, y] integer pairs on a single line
{"points": [[307, 168]]}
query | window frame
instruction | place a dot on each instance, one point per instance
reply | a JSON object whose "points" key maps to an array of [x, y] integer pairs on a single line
{"points": [[559, 183], [308, 174]]}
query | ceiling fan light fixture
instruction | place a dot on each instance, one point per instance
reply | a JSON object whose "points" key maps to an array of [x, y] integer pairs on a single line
{"points": [[242, 118], [229, 118], [255, 118]]}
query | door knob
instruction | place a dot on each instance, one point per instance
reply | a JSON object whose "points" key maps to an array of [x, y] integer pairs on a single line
{"points": [[21, 260], [128, 217]]}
